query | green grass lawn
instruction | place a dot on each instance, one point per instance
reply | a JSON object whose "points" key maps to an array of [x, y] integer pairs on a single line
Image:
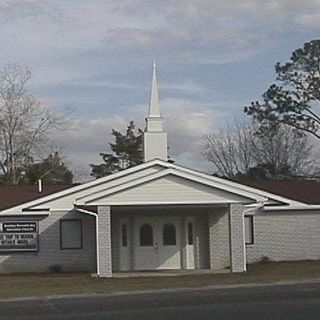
{"points": [[39, 285]]}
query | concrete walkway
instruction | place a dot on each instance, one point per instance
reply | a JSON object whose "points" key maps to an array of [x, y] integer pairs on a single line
{"points": [[167, 273]]}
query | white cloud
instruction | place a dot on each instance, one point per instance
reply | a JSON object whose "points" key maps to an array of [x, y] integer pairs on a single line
{"points": [[185, 121], [95, 54], [83, 139], [47, 30], [187, 86], [311, 20]]}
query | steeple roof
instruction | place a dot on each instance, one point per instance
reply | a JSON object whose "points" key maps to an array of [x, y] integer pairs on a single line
{"points": [[155, 140], [154, 108]]}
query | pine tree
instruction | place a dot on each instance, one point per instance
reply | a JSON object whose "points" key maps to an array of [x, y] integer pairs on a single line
{"points": [[126, 153], [51, 170], [292, 100]]}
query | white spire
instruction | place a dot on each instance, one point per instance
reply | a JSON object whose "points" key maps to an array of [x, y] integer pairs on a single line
{"points": [[155, 143], [154, 108]]}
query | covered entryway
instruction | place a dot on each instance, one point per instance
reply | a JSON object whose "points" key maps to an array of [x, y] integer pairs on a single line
{"points": [[168, 217], [170, 237], [157, 243]]}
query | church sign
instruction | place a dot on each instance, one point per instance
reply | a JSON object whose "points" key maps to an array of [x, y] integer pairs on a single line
{"points": [[18, 236]]}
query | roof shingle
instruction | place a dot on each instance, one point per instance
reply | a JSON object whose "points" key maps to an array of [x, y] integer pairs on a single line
{"points": [[11, 196], [307, 191]]}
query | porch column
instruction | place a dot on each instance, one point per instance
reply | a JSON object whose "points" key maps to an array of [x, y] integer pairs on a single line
{"points": [[219, 238], [104, 241], [237, 244]]}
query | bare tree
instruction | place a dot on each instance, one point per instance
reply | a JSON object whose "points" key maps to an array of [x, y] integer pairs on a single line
{"points": [[24, 123], [237, 151], [285, 152], [230, 150]]}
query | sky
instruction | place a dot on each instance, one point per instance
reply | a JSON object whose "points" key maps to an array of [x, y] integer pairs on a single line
{"points": [[92, 62]]}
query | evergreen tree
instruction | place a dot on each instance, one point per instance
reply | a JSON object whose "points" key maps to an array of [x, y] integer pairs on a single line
{"points": [[50, 170], [126, 153], [292, 100]]}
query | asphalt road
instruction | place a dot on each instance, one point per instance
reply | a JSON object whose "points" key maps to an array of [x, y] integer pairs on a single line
{"points": [[298, 301]]}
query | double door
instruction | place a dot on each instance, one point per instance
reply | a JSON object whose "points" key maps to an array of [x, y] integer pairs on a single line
{"points": [[157, 243]]}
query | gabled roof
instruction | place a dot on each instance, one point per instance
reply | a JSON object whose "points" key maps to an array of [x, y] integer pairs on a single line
{"points": [[91, 198], [128, 178]]}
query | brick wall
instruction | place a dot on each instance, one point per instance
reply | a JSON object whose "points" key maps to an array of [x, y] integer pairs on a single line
{"points": [[104, 238], [219, 235], [237, 247], [285, 236], [49, 253]]}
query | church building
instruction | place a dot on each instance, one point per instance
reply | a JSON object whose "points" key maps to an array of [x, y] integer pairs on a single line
{"points": [[156, 215]]}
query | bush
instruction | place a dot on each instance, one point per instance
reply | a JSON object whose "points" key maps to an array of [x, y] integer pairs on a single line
{"points": [[55, 268], [265, 259]]}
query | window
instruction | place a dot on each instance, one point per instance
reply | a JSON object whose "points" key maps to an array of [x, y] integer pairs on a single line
{"points": [[71, 234], [124, 234], [248, 227], [169, 234], [190, 233], [146, 235]]}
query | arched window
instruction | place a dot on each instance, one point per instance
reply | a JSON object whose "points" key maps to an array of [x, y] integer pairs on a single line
{"points": [[146, 235], [169, 235]]}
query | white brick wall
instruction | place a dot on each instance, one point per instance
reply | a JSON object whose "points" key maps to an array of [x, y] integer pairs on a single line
{"points": [[285, 236], [104, 239], [237, 238], [49, 247], [219, 234], [279, 236]]}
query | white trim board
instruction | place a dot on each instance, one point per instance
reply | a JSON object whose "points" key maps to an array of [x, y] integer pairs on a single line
{"points": [[167, 168], [92, 198]]}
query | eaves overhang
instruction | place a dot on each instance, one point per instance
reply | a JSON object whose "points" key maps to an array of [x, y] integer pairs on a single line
{"points": [[94, 198]]}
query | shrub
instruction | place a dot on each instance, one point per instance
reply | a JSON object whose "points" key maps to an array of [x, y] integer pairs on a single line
{"points": [[55, 268]]}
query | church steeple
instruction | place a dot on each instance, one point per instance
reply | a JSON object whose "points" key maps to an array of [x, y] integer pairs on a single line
{"points": [[154, 108], [155, 139]]}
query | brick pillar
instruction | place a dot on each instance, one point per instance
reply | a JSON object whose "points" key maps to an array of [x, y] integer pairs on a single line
{"points": [[104, 240], [219, 238], [237, 246]]}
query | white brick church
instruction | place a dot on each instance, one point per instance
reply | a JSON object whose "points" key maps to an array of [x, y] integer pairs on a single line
{"points": [[157, 215]]}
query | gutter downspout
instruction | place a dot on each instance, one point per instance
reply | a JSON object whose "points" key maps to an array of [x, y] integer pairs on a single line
{"points": [[97, 233], [251, 207]]}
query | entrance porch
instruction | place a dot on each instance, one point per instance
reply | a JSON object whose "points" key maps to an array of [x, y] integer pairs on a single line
{"points": [[170, 237], [159, 237]]}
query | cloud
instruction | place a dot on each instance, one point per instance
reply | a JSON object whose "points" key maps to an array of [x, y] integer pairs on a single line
{"points": [[311, 20], [83, 139], [127, 36], [187, 86], [96, 56], [186, 121], [47, 30]]}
